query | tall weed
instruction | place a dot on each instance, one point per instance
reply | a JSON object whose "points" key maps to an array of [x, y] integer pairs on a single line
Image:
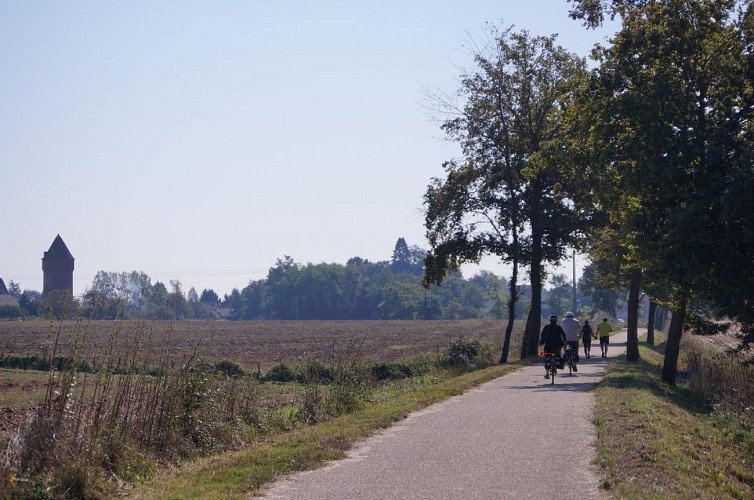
{"points": [[726, 380], [138, 407]]}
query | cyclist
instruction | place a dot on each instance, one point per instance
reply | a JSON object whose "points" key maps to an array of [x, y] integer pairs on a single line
{"points": [[572, 328], [554, 339], [586, 338]]}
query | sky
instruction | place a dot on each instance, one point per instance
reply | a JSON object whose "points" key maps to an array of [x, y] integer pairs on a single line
{"points": [[201, 141]]}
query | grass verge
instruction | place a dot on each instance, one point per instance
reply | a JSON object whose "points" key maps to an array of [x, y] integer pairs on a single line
{"points": [[237, 474], [659, 441]]}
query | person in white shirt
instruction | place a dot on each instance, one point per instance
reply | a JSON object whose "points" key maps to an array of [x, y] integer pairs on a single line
{"points": [[572, 329]]}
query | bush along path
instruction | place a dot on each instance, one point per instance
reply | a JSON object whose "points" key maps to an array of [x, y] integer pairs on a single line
{"points": [[516, 436]]}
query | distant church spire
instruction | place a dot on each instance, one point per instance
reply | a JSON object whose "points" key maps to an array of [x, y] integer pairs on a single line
{"points": [[57, 267]]}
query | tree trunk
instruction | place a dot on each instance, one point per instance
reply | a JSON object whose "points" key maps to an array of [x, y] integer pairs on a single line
{"points": [[514, 208], [511, 313], [660, 317], [651, 322], [530, 344], [673, 343], [632, 337]]}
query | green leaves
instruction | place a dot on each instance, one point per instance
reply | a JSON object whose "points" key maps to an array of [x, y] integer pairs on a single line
{"points": [[509, 189]]}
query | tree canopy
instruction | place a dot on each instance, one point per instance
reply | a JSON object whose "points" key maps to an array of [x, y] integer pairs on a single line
{"points": [[507, 196], [667, 121]]}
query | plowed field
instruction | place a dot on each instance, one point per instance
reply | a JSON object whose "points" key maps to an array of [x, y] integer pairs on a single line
{"points": [[249, 343]]}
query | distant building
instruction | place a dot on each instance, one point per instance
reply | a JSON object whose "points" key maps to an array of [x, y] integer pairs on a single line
{"points": [[5, 298], [57, 267]]}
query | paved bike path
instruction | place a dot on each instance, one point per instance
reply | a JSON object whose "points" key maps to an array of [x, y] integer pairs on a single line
{"points": [[515, 437]]}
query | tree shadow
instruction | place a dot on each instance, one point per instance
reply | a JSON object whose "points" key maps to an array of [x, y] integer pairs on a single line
{"points": [[646, 376], [561, 384]]}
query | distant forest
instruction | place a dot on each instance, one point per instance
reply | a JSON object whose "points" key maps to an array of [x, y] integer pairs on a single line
{"points": [[358, 290]]}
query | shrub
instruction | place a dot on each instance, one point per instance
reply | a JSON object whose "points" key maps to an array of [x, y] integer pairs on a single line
{"points": [[229, 368], [316, 372], [462, 353], [24, 362], [10, 312], [281, 373], [391, 371], [74, 482], [310, 405], [723, 379], [345, 397], [34, 362]]}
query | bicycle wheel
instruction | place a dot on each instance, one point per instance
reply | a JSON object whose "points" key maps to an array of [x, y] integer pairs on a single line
{"points": [[553, 371], [570, 367]]}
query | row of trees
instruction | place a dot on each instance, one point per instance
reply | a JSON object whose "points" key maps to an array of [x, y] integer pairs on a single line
{"points": [[360, 289], [644, 162]]}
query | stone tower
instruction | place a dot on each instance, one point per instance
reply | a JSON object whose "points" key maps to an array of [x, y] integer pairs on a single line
{"points": [[57, 268]]}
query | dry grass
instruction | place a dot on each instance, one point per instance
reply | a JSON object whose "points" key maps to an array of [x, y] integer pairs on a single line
{"points": [[21, 389], [718, 376], [659, 441]]}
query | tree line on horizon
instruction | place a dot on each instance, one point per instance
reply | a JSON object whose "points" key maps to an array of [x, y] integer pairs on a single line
{"points": [[358, 290]]}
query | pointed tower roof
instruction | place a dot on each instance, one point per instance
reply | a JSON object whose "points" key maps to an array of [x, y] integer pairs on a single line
{"points": [[58, 250], [3, 290]]}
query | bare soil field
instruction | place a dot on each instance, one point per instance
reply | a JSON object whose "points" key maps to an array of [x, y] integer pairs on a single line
{"points": [[248, 343]]}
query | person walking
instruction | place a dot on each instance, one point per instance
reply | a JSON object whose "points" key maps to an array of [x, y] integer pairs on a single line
{"points": [[586, 338], [603, 331]]}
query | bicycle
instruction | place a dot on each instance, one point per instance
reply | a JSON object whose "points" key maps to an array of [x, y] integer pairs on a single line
{"points": [[551, 360], [570, 359]]}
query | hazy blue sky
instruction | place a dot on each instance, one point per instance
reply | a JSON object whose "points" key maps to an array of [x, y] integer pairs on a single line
{"points": [[202, 141]]}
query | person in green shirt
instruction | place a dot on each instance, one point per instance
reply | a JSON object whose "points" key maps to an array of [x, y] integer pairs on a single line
{"points": [[603, 331]]}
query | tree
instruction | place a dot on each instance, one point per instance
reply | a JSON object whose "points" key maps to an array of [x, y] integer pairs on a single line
{"points": [[603, 299], [494, 288], [401, 301], [137, 286], [9, 311], [14, 289], [282, 300], [651, 322], [508, 197], [560, 294], [157, 302], [31, 302], [235, 303], [401, 261], [209, 297], [671, 105], [253, 299], [177, 301], [59, 304], [113, 295]]}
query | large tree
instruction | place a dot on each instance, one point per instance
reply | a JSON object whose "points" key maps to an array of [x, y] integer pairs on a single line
{"points": [[507, 196], [669, 124]]}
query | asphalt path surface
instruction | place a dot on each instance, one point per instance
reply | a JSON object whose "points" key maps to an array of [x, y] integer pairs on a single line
{"points": [[515, 437]]}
